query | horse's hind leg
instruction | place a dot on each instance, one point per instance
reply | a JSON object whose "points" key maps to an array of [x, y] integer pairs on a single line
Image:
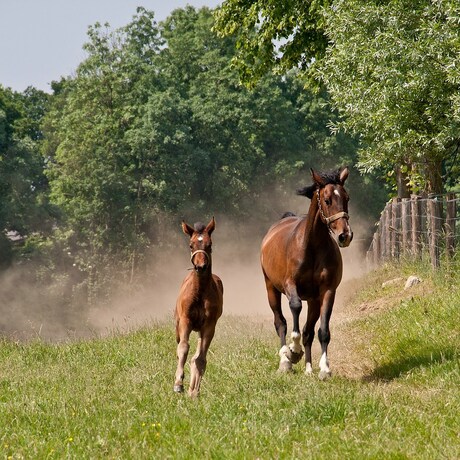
{"points": [[274, 300], [182, 337]]}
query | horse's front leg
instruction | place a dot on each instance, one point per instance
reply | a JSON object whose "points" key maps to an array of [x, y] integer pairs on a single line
{"points": [[182, 337], [324, 335], [294, 352], [199, 360], [308, 335]]}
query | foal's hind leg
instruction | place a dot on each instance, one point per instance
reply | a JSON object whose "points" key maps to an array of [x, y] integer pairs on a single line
{"points": [[199, 360], [274, 300]]}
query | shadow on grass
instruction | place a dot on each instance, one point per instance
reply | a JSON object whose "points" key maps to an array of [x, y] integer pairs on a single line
{"points": [[401, 367]]}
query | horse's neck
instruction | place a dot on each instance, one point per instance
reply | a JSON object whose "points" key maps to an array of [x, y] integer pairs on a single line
{"points": [[315, 230]]}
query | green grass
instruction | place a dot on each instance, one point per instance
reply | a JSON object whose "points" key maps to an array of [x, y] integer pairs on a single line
{"points": [[113, 398]]}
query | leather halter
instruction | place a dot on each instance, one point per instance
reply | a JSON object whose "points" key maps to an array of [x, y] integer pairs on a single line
{"points": [[332, 218], [197, 252]]}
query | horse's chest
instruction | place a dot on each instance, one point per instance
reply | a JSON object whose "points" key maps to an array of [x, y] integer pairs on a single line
{"points": [[310, 281]]}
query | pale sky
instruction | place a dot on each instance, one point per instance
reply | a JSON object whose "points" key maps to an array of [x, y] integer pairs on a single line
{"points": [[42, 40]]}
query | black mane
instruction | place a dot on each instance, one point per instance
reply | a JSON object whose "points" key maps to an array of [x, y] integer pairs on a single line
{"points": [[327, 177]]}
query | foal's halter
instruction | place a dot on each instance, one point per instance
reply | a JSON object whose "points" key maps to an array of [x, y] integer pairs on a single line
{"points": [[198, 251], [332, 218]]}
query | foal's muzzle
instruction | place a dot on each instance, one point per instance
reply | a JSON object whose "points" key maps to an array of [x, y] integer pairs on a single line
{"points": [[201, 265]]}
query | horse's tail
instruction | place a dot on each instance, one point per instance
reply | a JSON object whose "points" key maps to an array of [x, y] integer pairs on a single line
{"points": [[287, 214]]}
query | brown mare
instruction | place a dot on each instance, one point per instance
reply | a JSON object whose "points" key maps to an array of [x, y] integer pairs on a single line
{"points": [[198, 306], [301, 260]]}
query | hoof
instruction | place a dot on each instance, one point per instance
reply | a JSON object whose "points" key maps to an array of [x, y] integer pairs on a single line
{"points": [[323, 375], [178, 388], [308, 370], [193, 394], [285, 366], [294, 357]]}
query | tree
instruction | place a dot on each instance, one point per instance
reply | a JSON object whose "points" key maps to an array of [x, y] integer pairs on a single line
{"points": [[93, 176], [274, 35], [391, 68], [392, 71], [24, 206]]}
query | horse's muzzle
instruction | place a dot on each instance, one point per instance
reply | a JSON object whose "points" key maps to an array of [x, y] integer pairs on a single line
{"points": [[345, 238]]}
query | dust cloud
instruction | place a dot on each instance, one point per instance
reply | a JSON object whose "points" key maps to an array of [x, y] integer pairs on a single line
{"points": [[28, 311]]}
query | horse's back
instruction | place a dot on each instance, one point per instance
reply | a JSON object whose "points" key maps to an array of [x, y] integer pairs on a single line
{"points": [[278, 237]]}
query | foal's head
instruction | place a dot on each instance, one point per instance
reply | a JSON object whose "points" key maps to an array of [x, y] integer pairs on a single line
{"points": [[328, 189], [200, 244]]}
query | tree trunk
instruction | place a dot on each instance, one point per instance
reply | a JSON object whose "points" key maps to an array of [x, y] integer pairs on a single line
{"points": [[434, 177]]}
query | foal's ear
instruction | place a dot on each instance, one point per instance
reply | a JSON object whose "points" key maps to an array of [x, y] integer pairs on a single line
{"points": [[343, 174], [211, 226], [187, 229]]}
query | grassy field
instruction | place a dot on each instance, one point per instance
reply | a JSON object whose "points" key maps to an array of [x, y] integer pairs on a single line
{"points": [[395, 392]]}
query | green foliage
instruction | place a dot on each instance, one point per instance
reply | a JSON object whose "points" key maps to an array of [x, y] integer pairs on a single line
{"points": [[390, 71], [23, 202], [273, 35]]}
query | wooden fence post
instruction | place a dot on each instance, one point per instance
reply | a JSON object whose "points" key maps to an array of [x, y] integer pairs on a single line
{"points": [[395, 228], [416, 225], [434, 225], [451, 215], [387, 232], [405, 225], [376, 248]]}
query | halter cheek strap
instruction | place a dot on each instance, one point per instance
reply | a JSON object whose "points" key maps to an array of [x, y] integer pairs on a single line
{"points": [[332, 218]]}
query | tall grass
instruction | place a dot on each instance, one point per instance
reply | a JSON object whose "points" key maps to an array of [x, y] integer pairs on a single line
{"points": [[113, 398]]}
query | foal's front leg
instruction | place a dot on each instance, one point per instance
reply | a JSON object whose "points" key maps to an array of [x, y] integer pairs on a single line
{"points": [[182, 337]]}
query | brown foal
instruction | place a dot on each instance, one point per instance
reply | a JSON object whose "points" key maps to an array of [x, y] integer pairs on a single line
{"points": [[198, 306]]}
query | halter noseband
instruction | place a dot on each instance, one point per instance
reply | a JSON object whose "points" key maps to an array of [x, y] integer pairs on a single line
{"points": [[197, 252], [332, 218]]}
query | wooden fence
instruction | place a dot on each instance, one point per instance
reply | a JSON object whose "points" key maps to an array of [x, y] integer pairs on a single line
{"points": [[410, 226]]}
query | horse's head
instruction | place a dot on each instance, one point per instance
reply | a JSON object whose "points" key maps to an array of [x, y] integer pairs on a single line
{"points": [[200, 244], [332, 198]]}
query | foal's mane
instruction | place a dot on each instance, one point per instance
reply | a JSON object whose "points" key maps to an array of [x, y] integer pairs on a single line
{"points": [[327, 177], [199, 227]]}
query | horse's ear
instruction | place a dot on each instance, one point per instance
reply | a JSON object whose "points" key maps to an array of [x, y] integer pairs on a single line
{"points": [[317, 179], [187, 229], [211, 226], [307, 191], [343, 174]]}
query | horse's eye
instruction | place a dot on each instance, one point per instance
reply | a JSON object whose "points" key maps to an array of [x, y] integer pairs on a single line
{"points": [[327, 201]]}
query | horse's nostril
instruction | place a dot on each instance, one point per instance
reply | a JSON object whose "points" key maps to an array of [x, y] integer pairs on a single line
{"points": [[342, 237]]}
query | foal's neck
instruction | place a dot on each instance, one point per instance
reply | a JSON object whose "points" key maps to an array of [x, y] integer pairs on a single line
{"points": [[201, 279]]}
